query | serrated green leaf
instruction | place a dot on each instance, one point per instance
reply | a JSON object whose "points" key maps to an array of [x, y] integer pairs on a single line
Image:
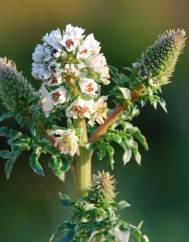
{"points": [[162, 104], [3, 131], [127, 155], [9, 164], [6, 115], [5, 154], [68, 237], [54, 163], [123, 204], [110, 152], [65, 200], [34, 162], [11, 157]]}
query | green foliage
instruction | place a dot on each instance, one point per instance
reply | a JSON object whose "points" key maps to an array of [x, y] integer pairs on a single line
{"points": [[95, 216], [34, 161], [20, 142], [126, 136]]}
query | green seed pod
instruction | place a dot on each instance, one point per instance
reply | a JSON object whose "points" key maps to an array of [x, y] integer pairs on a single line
{"points": [[16, 92], [158, 61], [102, 188]]}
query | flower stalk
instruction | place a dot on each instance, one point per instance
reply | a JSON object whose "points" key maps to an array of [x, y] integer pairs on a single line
{"points": [[82, 165]]}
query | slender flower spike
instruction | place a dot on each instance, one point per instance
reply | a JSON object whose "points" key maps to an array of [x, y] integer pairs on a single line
{"points": [[157, 63], [102, 188], [15, 91]]}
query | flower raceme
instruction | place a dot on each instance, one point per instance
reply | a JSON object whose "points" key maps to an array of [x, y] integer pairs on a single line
{"points": [[72, 70], [66, 61]]}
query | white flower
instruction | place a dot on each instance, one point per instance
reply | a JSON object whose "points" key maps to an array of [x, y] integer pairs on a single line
{"points": [[40, 71], [88, 86], [55, 68], [71, 69], [154, 82], [122, 236], [54, 39], [50, 99], [99, 112], [72, 37], [54, 80], [80, 108], [59, 95], [88, 47], [66, 141], [41, 54], [98, 64]]}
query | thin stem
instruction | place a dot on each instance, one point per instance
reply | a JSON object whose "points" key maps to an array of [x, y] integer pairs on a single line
{"points": [[101, 130], [107, 123], [82, 161]]}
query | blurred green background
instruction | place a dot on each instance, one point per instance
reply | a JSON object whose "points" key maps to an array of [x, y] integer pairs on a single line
{"points": [[159, 189]]}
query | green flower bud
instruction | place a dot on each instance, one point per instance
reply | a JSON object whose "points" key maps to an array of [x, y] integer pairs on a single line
{"points": [[16, 92], [102, 188], [158, 61]]}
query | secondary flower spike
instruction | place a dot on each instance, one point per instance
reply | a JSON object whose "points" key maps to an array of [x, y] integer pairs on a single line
{"points": [[157, 63], [15, 91], [102, 188]]}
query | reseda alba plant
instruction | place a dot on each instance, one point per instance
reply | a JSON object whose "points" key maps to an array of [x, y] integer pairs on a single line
{"points": [[69, 120]]}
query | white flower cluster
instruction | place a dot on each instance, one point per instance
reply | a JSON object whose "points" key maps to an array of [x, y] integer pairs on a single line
{"points": [[71, 69], [65, 59]]}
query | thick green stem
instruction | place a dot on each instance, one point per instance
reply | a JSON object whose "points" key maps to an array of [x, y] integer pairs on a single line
{"points": [[82, 161]]}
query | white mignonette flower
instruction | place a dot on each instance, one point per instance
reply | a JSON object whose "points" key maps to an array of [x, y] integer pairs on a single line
{"points": [[40, 71], [80, 108], [90, 46], [121, 235], [71, 69], [66, 141], [88, 86], [50, 99], [59, 95], [72, 37], [98, 64], [100, 110], [55, 69], [154, 83], [41, 54], [54, 39], [54, 80]]}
